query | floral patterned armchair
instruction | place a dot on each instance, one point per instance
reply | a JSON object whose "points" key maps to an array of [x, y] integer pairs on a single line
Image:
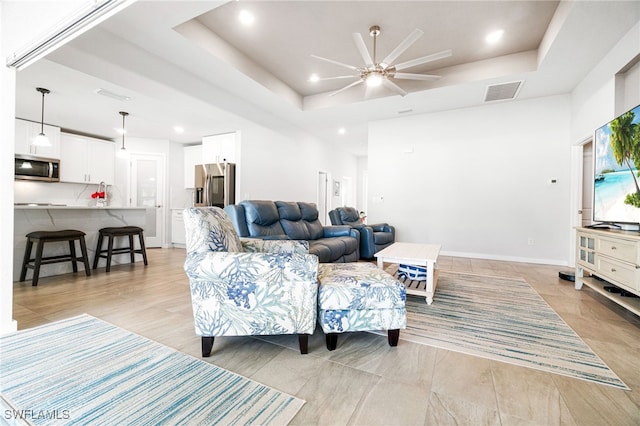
{"points": [[247, 287]]}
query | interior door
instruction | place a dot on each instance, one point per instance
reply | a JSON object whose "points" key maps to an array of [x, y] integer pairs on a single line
{"points": [[347, 192], [323, 197], [147, 190]]}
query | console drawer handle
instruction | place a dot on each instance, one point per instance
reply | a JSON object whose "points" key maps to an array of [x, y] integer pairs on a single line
{"points": [[613, 269], [613, 247]]}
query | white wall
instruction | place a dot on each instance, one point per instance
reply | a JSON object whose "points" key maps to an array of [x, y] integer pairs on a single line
{"points": [[275, 166], [22, 24], [7, 152], [602, 95], [362, 181], [477, 180], [628, 89], [593, 101]]}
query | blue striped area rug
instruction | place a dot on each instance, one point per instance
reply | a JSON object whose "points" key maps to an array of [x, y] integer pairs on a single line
{"points": [[502, 319], [85, 371]]}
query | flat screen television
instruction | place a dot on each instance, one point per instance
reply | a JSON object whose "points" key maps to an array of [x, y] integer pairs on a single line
{"points": [[616, 151]]}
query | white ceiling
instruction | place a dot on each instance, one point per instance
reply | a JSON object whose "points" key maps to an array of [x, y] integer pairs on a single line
{"points": [[191, 64]]}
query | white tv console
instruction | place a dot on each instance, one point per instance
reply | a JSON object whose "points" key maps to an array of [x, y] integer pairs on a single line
{"points": [[613, 256]]}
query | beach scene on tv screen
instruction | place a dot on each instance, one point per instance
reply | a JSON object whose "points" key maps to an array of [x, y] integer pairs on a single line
{"points": [[616, 181]]}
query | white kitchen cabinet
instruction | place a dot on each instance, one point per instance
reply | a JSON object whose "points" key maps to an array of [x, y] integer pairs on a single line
{"points": [[192, 157], [219, 148], [177, 227], [86, 160], [26, 131]]}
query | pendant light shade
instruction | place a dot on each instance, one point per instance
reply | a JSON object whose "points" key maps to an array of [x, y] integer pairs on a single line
{"points": [[122, 152], [41, 139]]}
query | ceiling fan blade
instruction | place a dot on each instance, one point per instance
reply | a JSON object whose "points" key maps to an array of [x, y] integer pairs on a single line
{"points": [[362, 48], [424, 59], [406, 43], [337, 77], [408, 76], [355, 83], [391, 85], [351, 67]]}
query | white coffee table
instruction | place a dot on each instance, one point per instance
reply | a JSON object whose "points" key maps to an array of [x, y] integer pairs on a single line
{"points": [[425, 255]]}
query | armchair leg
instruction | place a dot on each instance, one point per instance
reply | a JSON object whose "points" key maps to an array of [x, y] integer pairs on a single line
{"points": [[303, 341], [393, 336], [332, 341], [207, 345]]}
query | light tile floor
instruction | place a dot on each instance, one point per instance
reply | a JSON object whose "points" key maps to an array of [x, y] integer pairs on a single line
{"points": [[366, 382]]}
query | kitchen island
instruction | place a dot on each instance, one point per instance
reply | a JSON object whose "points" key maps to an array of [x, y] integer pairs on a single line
{"points": [[32, 217]]}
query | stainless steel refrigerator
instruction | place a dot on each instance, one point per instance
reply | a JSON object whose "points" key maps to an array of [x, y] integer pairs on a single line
{"points": [[215, 184]]}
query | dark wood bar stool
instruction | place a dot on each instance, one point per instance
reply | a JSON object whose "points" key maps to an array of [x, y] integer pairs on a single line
{"points": [[111, 234], [41, 237]]}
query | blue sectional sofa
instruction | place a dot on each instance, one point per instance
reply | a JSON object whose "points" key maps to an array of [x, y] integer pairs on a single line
{"points": [[295, 221]]}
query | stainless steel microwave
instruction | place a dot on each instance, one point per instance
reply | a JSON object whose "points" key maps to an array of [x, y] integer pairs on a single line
{"points": [[28, 167]]}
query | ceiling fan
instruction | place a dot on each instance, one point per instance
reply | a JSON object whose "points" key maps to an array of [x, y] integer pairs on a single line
{"points": [[376, 73]]}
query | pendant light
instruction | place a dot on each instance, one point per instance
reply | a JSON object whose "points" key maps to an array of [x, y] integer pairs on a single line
{"points": [[41, 139], [122, 153]]}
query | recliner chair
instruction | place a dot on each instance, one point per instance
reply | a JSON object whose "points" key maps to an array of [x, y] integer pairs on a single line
{"points": [[373, 238]]}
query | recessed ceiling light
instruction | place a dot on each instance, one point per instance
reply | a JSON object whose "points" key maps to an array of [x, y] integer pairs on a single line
{"points": [[342, 131], [246, 18], [178, 129], [313, 78], [494, 36]]}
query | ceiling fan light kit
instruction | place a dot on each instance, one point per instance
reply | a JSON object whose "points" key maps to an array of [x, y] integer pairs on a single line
{"points": [[376, 73]]}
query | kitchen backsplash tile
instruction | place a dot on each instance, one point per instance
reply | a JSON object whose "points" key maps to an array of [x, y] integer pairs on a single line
{"points": [[72, 194]]}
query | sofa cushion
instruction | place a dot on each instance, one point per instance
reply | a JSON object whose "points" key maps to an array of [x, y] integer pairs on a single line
{"points": [[350, 244], [334, 248], [315, 229], [323, 252], [295, 229], [262, 218], [291, 220], [300, 220], [309, 213], [289, 210], [380, 238], [349, 215]]}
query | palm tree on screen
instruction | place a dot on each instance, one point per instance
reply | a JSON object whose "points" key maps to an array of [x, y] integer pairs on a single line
{"points": [[625, 144]]}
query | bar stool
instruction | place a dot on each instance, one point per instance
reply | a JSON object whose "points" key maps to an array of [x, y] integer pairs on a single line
{"points": [[41, 237], [111, 234]]}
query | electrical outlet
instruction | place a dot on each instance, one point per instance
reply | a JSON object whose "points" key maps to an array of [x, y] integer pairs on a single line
{"points": [[531, 241]]}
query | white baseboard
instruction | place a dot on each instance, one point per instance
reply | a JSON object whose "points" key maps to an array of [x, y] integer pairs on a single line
{"points": [[505, 258]]}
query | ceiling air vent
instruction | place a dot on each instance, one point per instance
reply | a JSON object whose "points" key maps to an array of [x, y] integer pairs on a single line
{"points": [[112, 95], [503, 91]]}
